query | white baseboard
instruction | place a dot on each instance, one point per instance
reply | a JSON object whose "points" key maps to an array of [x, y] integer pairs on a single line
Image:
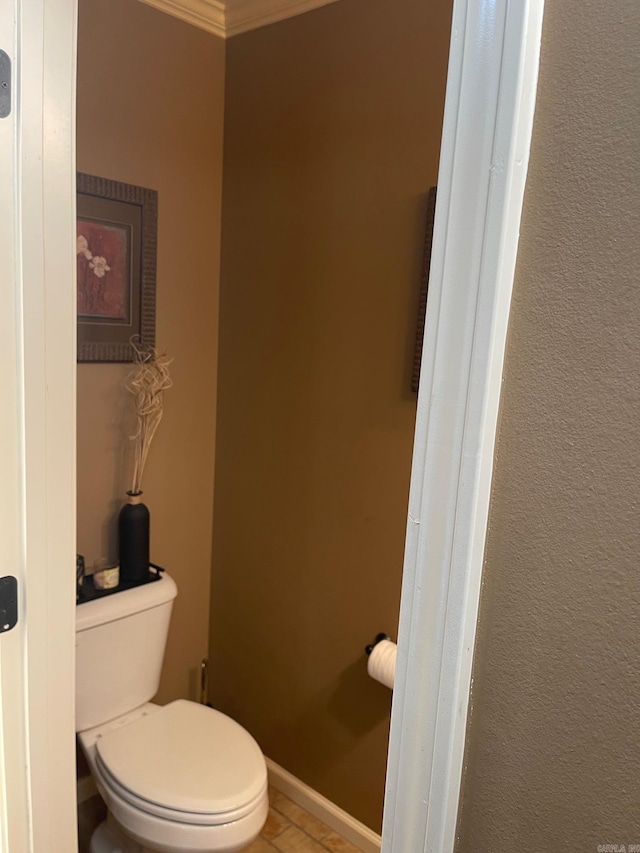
{"points": [[340, 821]]}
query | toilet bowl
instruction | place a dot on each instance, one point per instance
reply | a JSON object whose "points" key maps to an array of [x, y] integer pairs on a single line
{"points": [[179, 778]]}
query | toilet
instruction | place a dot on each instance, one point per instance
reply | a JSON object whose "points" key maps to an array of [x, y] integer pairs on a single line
{"points": [[178, 778]]}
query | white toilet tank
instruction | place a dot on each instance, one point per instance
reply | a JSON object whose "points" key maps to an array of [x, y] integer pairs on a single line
{"points": [[120, 643]]}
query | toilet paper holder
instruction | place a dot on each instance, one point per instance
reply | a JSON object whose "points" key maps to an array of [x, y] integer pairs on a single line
{"points": [[379, 638]]}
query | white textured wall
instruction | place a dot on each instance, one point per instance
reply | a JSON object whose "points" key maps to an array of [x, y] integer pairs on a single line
{"points": [[553, 757]]}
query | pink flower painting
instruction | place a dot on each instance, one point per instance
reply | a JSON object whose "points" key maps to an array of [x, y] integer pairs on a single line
{"points": [[103, 286]]}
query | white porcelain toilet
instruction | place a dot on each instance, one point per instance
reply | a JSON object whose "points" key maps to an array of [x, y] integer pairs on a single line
{"points": [[179, 778]]}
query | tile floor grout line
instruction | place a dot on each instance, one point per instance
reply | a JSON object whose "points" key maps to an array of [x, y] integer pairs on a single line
{"points": [[291, 823]]}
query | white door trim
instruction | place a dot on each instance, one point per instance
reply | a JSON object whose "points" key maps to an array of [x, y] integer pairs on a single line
{"points": [[37, 530], [491, 87], [14, 761]]}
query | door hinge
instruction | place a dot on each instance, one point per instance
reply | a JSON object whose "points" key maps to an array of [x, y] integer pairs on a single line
{"points": [[5, 84], [8, 603]]}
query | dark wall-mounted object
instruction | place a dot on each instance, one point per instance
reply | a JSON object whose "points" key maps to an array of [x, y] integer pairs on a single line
{"points": [[424, 286], [379, 638], [8, 603], [5, 84], [116, 253]]}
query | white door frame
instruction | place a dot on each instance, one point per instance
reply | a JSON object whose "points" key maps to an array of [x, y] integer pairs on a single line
{"points": [[491, 88], [487, 130], [37, 427]]}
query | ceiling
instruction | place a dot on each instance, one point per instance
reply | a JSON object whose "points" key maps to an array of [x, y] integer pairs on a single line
{"points": [[228, 18]]}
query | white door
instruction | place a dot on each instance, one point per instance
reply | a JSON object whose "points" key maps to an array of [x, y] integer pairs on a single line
{"points": [[37, 424]]}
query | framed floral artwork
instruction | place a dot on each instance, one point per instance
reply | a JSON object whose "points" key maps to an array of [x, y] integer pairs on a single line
{"points": [[116, 258]]}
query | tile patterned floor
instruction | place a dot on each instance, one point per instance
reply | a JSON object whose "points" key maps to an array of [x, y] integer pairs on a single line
{"points": [[289, 829]]}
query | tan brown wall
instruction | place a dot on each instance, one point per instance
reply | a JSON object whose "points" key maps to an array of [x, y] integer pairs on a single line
{"points": [[150, 112], [552, 756], [332, 132]]}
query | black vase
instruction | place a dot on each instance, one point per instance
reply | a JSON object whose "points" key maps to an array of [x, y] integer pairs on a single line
{"points": [[133, 532]]}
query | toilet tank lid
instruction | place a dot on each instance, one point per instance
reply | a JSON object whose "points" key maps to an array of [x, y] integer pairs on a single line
{"points": [[125, 603]]}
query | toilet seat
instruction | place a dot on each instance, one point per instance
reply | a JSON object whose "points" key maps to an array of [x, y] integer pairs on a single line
{"points": [[175, 815], [170, 836], [186, 763]]}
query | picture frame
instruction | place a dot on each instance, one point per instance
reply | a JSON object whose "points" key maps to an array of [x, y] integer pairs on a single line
{"points": [[424, 288], [116, 263]]}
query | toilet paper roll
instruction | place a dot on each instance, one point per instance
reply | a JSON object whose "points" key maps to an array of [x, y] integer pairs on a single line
{"points": [[382, 663]]}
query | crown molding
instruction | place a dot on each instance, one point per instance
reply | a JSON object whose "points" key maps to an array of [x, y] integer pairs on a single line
{"points": [[208, 15], [245, 15], [230, 18]]}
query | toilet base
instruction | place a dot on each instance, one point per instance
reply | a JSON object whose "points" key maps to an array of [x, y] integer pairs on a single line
{"points": [[132, 828], [109, 838]]}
